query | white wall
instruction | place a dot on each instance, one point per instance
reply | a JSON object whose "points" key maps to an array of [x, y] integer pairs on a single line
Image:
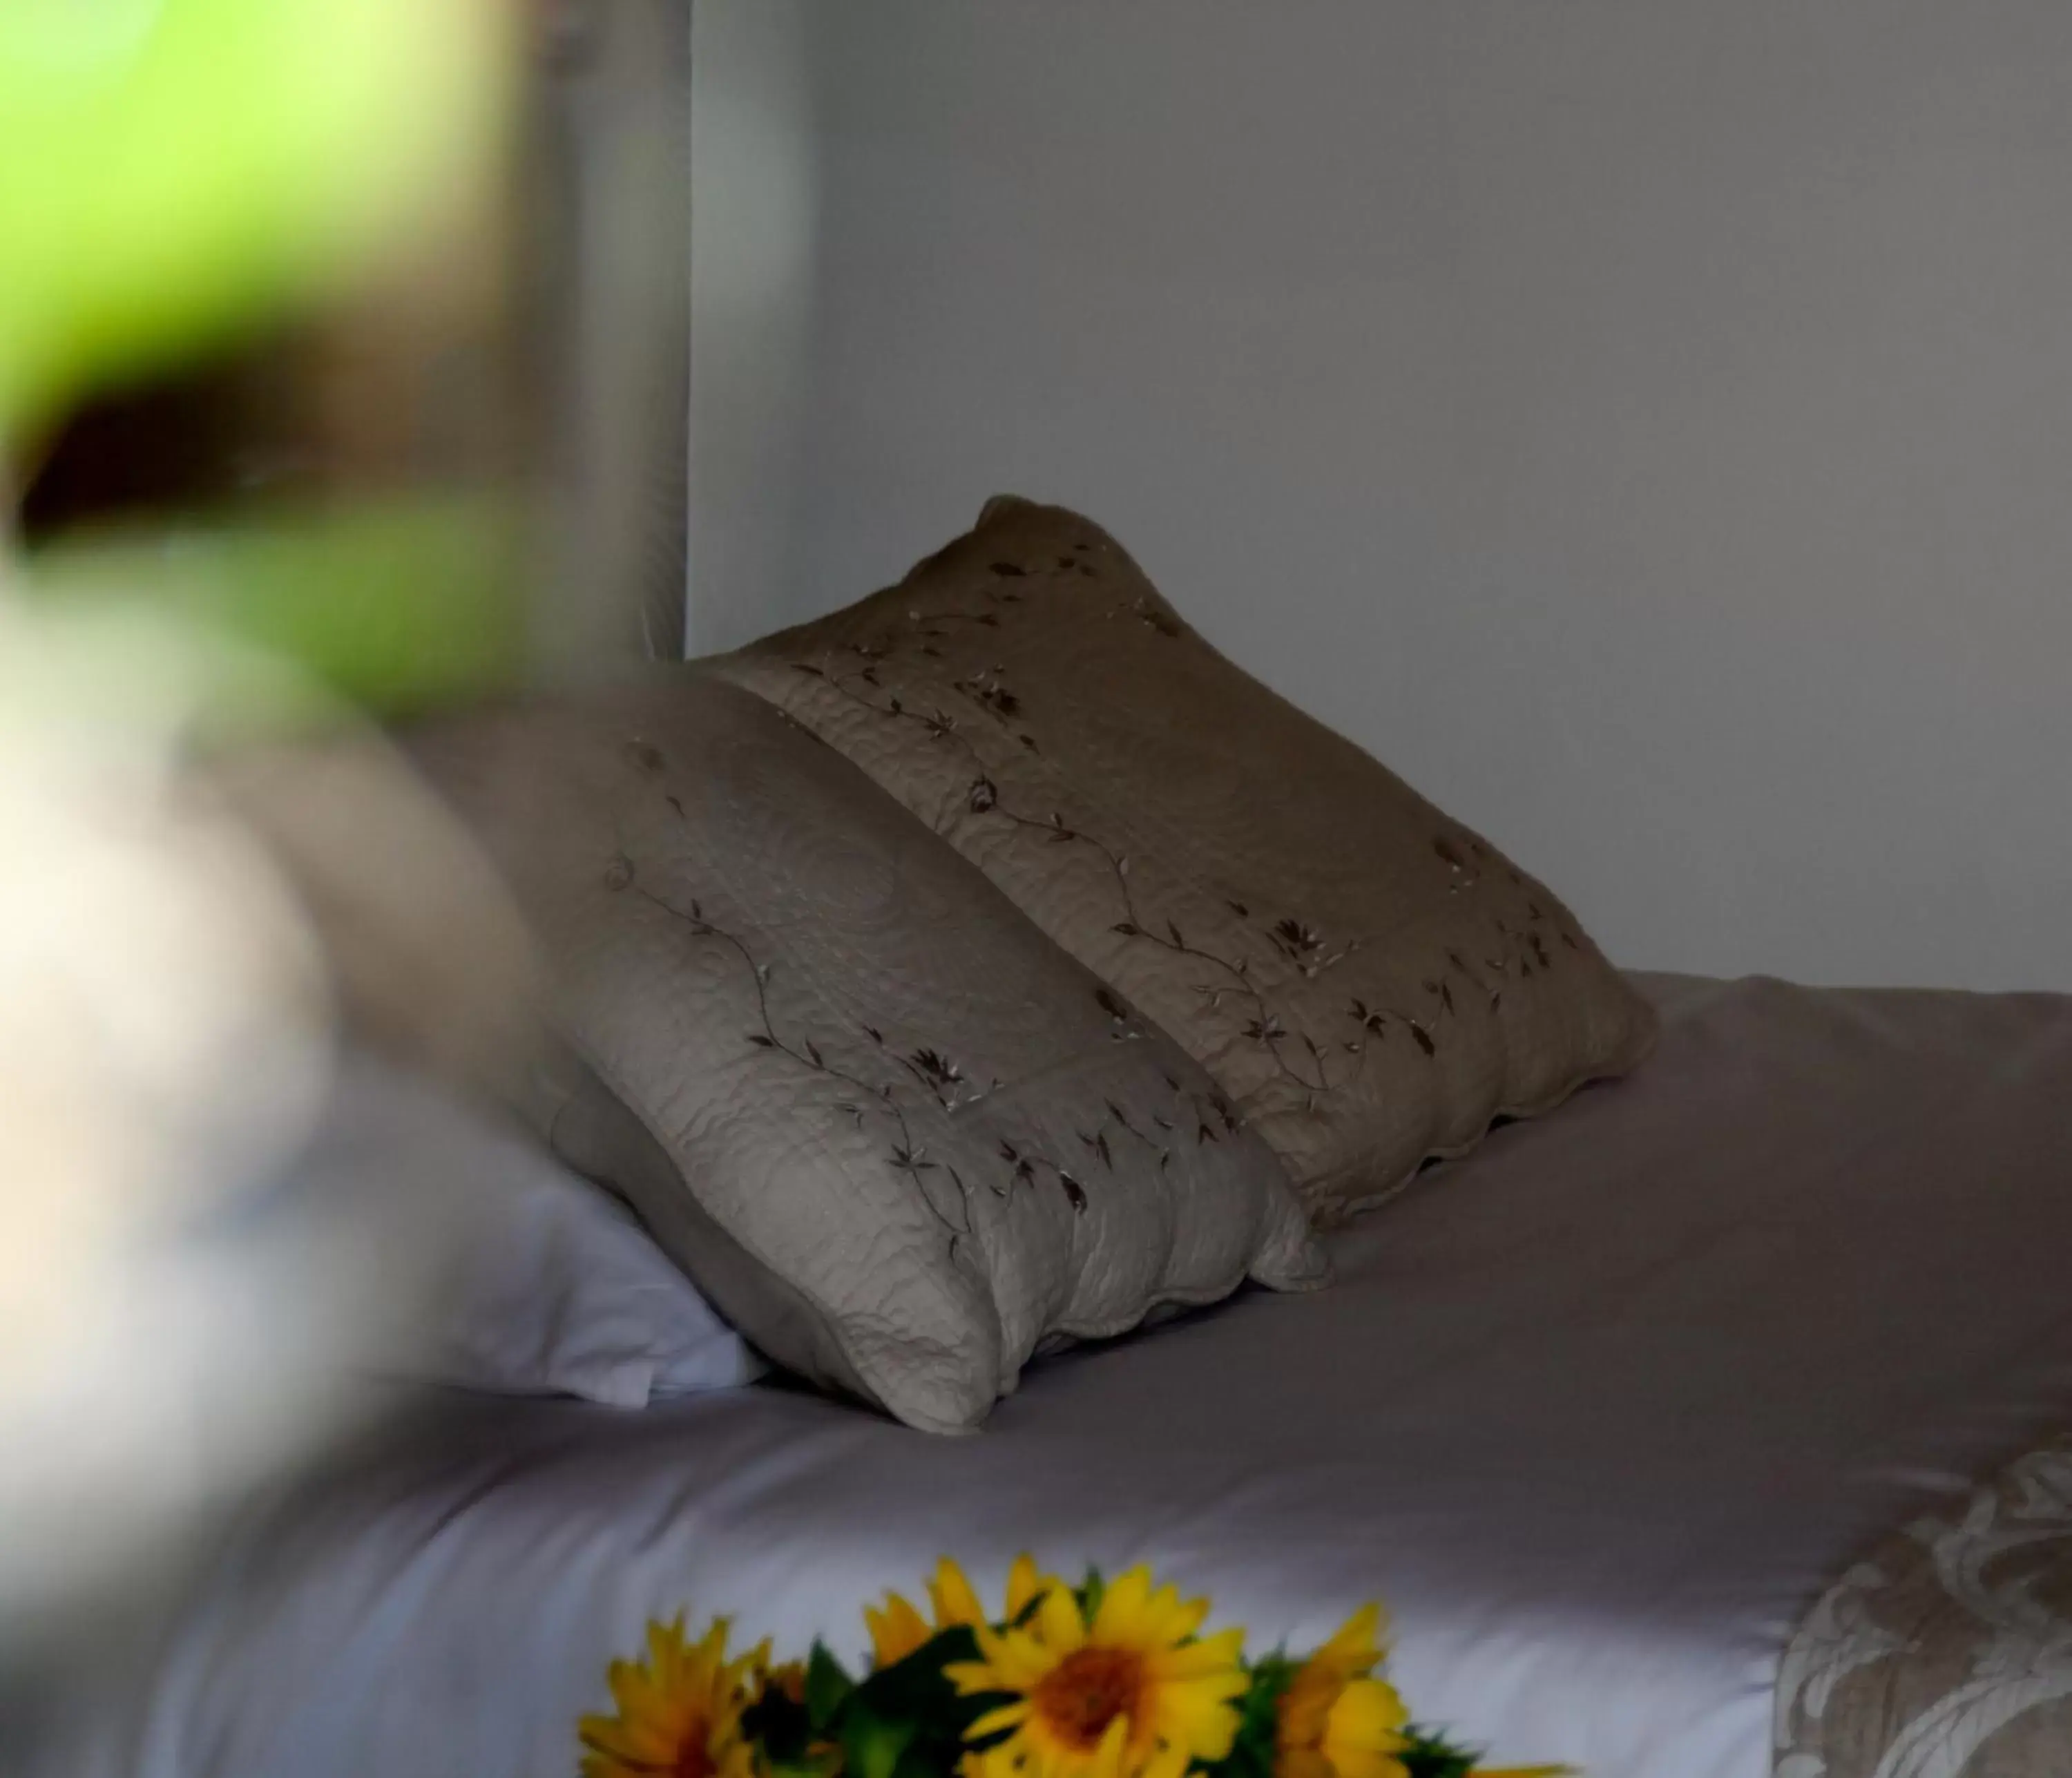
{"points": [[1647, 424]]}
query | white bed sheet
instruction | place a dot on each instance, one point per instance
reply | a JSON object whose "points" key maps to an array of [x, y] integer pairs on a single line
{"points": [[1599, 1410]]}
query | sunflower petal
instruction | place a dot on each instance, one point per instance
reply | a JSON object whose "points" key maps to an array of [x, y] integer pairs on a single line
{"points": [[971, 1676], [682, 1698], [1008, 1716], [1024, 1659], [1355, 1646], [1122, 1606], [1058, 1623], [1170, 1761], [1370, 1712], [1216, 1653], [1206, 1719], [896, 1630], [1182, 1620], [1024, 1582], [954, 1600], [1107, 1761]]}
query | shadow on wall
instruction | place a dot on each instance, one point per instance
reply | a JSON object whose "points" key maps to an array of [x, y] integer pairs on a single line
{"points": [[1642, 427], [755, 215]]}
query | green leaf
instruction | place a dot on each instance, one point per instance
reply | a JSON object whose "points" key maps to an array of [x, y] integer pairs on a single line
{"points": [[872, 1746], [1091, 1593], [1430, 1755], [927, 1759], [827, 1688], [825, 1764], [918, 1691], [781, 1727], [201, 166], [1252, 1754], [398, 605], [910, 1718]]}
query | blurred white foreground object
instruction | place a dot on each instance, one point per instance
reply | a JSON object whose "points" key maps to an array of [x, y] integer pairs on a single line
{"points": [[164, 1040]]}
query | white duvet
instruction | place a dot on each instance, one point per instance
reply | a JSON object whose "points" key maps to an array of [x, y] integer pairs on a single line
{"points": [[1598, 1411]]}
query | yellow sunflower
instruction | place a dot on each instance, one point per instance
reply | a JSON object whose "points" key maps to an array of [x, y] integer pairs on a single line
{"points": [[897, 1629], [1336, 1720], [1130, 1694], [679, 1712]]}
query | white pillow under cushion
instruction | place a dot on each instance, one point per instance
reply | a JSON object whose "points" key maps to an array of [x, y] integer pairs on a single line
{"points": [[894, 1132], [548, 1286]]}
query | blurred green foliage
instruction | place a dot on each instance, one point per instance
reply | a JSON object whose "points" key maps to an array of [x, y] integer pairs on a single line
{"points": [[397, 605], [175, 175], [173, 172]]}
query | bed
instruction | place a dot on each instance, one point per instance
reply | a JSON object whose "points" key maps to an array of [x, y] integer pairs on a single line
{"points": [[1603, 1419]]}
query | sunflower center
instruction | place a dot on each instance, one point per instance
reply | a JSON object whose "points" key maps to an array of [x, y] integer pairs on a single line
{"points": [[1087, 1691]]}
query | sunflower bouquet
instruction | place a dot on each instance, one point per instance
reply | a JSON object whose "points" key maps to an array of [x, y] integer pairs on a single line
{"points": [[1108, 1679]]}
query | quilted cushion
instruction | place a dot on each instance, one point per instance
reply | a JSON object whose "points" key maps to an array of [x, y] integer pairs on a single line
{"points": [[888, 1127], [1371, 981]]}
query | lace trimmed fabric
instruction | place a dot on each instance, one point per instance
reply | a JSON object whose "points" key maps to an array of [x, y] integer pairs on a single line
{"points": [[1947, 1652]]}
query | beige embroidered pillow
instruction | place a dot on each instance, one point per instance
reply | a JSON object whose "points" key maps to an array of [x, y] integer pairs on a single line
{"points": [[890, 1129], [1371, 982]]}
